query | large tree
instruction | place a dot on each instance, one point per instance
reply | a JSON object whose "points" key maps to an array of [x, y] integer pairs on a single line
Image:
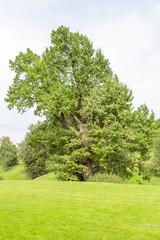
{"points": [[88, 111]]}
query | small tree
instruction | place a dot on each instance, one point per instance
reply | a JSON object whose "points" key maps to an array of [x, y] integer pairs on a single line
{"points": [[8, 153], [32, 157]]}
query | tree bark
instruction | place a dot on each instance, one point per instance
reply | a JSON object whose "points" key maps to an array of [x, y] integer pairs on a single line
{"points": [[63, 121], [86, 161], [88, 164]]}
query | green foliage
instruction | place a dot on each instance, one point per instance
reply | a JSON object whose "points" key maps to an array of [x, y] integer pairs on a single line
{"points": [[53, 152], [90, 124], [32, 157], [8, 153], [138, 179], [156, 156], [153, 165], [104, 177]]}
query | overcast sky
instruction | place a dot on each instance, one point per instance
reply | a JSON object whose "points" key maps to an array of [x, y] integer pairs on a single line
{"points": [[127, 31]]}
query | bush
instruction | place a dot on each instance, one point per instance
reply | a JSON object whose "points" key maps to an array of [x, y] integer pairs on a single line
{"points": [[104, 177], [1, 178]]}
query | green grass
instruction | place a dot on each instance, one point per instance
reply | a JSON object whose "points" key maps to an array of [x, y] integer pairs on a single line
{"points": [[49, 177], [138, 180], [48, 210], [14, 173], [134, 180]]}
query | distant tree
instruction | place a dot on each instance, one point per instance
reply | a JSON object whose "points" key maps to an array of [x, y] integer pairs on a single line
{"points": [[5, 139], [90, 124], [156, 156], [154, 164], [8, 153]]}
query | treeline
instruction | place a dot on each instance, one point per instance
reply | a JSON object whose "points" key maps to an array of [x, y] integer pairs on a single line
{"points": [[91, 126]]}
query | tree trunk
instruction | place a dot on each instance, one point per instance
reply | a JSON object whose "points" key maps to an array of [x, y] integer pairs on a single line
{"points": [[87, 163]]}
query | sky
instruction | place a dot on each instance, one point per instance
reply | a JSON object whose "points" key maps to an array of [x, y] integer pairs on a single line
{"points": [[128, 33]]}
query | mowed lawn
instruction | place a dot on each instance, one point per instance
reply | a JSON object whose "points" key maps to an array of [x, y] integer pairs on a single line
{"points": [[16, 172], [76, 210]]}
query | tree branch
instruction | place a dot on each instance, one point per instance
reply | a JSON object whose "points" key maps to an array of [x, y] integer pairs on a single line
{"points": [[76, 118], [79, 122], [63, 121]]}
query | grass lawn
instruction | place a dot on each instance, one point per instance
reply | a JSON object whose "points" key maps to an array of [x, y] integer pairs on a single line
{"points": [[138, 180], [49, 177], [16, 172], [51, 210]]}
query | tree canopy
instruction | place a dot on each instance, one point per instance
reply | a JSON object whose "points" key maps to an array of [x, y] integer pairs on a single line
{"points": [[90, 123]]}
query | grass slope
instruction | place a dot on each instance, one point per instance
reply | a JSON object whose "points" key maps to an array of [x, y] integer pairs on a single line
{"points": [[48, 210], [49, 177], [14, 173]]}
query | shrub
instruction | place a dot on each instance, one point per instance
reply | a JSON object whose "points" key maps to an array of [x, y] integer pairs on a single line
{"points": [[105, 177]]}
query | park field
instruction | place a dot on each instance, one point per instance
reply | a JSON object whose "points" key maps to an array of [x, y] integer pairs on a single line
{"points": [[48, 210]]}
